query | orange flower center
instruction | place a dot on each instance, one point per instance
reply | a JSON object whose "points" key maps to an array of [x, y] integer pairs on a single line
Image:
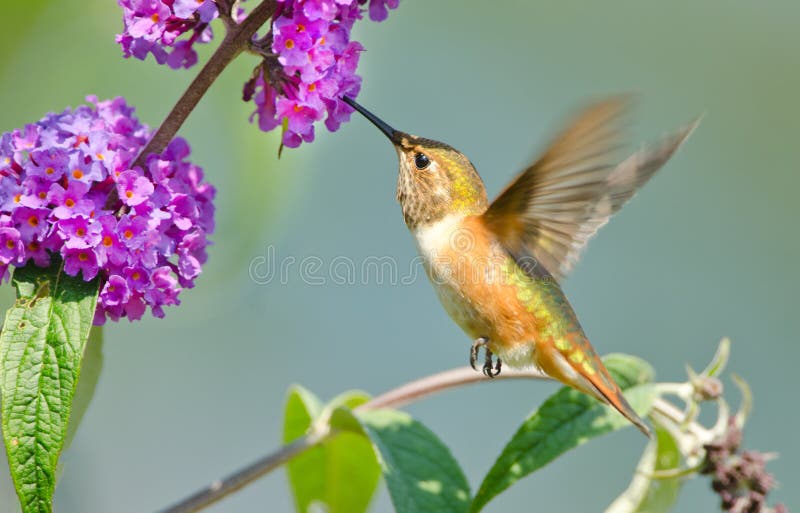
{"points": [[289, 44], [17, 197], [33, 221], [154, 17], [42, 195], [83, 257], [107, 241], [77, 174], [128, 234], [136, 275], [33, 246], [10, 244], [312, 88], [70, 202], [80, 232], [128, 194], [49, 171]]}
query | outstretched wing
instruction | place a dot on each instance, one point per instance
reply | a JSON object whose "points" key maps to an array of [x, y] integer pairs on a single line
{"points": [[554, 206]]}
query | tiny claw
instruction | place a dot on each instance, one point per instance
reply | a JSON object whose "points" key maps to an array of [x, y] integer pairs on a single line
{"points": [[473, 353], [488, 365]]}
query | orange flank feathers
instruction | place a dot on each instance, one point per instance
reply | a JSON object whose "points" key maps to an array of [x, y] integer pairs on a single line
{"points": [[520, 309]]}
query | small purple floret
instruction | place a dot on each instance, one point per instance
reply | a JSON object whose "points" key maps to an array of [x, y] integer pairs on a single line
{"points": [[133, 189], [79, 232]]}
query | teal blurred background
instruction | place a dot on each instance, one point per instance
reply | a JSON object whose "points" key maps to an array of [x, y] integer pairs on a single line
{"points": [[708, 249]]}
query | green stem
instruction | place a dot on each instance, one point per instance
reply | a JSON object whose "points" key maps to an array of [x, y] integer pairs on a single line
{"points": [[400, 396]]}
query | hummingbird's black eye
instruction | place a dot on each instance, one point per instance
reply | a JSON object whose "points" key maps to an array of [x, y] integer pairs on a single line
{"points": [[421, 161]]}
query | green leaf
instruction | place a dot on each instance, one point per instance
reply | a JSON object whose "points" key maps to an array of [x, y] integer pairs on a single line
{"points": [[720, 359], [647, 494], [566, 420], [420, 472], [91, 367], [747, 401], [351, 399], [629, 370], [41, 348], [302, 407], [341, 474]]}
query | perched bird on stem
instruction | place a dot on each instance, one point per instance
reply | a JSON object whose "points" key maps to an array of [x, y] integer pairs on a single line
{"points": [[496, 266]]}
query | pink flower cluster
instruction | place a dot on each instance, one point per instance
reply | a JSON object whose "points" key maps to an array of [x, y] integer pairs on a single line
{"points": [[318, 61], [309, 61], [154, 26], [68, 190]]}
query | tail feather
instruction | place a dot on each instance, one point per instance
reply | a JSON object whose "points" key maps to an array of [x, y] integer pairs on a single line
{"points": [[582, 369], [615, 398]]}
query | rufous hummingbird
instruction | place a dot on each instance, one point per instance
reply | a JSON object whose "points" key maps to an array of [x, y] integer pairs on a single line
{"points": [[496, 266]]}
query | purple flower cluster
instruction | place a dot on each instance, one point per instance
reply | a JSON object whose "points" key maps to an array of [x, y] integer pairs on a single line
{"points": [[740, 479], [309, 65], [309, 61], [68, 188], [154, 26]]}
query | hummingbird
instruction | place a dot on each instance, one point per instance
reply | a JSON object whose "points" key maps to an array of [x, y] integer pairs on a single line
{"points": [[496, 267]]}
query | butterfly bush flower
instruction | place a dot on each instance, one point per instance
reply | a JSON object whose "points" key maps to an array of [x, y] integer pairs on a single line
{"points": [[309, 64], [68, 188], [308, 59], [154, 26]]}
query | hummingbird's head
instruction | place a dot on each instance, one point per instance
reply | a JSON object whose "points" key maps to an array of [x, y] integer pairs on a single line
{"points": [[435, 179]]}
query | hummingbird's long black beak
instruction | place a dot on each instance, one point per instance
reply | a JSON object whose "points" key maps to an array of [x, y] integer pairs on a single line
{"points": [[390, 132]]}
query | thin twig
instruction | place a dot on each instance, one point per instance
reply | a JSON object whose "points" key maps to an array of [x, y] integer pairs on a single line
{"points": [[236, 40], [223, 487], [422, 388], [400, 396], [404, 394], [395, 398]]}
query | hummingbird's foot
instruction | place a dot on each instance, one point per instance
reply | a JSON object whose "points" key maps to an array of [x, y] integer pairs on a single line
{"points": [[490, 369], [473, 353]]}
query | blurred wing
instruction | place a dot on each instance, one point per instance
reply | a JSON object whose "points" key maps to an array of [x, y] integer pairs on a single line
{"points": [[554, 206]]}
